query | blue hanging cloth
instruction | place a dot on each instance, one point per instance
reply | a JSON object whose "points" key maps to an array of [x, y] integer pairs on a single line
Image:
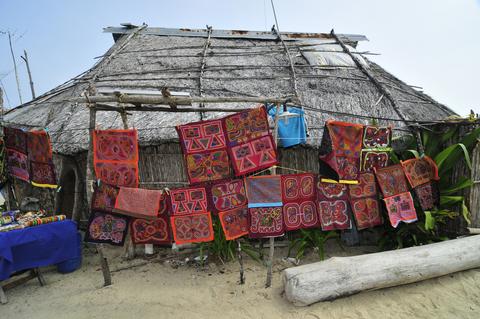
{"points": [[291, 131]]}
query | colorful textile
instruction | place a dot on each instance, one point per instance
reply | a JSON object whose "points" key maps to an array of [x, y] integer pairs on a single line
{"points": [[15, 139], [107, 228], [17, 164], [44, 220], [208, 166], [420, 170], [234, 222], [244, 126], [253, 155], [333, 206], [265, 222], [340, 150], [299, 197], [228, 195], [115, 156], [376, 137], [371, 159], [43, 174], [428, 195], [199, 137], [293, 130], [364, 202], [150, 231], [391, 180], [138, 202], [194, 228], [366, 186], [400, 209], [42, 170], [104, 197], [188, 200], [264, 191]]}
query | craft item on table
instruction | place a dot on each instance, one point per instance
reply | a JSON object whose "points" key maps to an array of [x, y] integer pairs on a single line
{"points": [[107, 228], [188, 200], [371, 159], [428, 195], [151, 231], [245, 126], [400, 209], [10, 227], [234, 222], [208, 166], [377, 137], [17, 164], [264, 191], [364, 202], [391, 180], [292, 130], [253, 155], [104, 197], [138, 202], [228, 195], [15, 139], [45, 220], [42, 170], [115, 157], [299, 201], [192, 228], [29, 216], [420, 170], [333, 207], [5, 220], [265, 222], [340, 150]]}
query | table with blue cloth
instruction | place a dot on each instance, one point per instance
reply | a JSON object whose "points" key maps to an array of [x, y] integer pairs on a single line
{"points": [[38, 246]]}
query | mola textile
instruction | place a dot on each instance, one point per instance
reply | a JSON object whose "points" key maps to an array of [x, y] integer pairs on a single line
{"points": [[420, 170], [15, 139], [340, 149], [376, 137], [151, 231], [400, 209], [364, 202], [106, 228], [253, 155], [371, 159], [264, 191], [291, 131], [228, 195], [188, 200], [17, 164], [427, 195], [245, 126], [265, 222], [138, 202], [193, 228], [391, 180], [42, 170], [333, 206], [234, 222], [208, 166], [115, 156], [104, 197], [299, 201]]}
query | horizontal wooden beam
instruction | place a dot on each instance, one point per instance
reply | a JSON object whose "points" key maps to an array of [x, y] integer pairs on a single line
{"points": [[104, 107]]}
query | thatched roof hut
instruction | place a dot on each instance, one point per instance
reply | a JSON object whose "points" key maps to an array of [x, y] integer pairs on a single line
{"points": [[216, 63]]}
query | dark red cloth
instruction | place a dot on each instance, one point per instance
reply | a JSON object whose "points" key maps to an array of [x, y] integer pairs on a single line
{"points": [[265, 222], [427, 195], [245, 126], [104, 197], [234, 222], [18, 165], [151, 231], [391, 180], [227, 195], [107, 228], [253, 155], [15, 139], [188, 200], [193, 228], [364, 202], [333, 207]]}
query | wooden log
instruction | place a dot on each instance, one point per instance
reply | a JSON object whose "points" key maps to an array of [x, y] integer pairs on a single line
{"points": [[343, 276]]}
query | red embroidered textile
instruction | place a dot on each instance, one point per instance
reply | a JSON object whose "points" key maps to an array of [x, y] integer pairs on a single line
{"points": [[371, 159], [366, 186], [234, 222], [199, 137], [264, 191], [427, 195], [392, 180], [364, 203], [107, 228], [151, 231], [104, 197], [39, 147], [115, 156], [341, 146], [138, 202], [400, 209], [188, 200], [299, 201], [17, 164], [265, 222], [42, 174], [208, 166], [244, 126], [194, 228], [228, 195], [420, 170], [15, 139], [253, 155], [163, 208], [377, 137], [333, 206]]}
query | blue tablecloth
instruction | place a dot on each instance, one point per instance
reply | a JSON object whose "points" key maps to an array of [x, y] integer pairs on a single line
{"points": [[38, 246]]}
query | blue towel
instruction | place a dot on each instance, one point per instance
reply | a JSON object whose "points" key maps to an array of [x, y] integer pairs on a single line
{"points": [[291, 131]]}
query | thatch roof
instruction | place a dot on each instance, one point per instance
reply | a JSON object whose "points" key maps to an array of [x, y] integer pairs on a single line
{"points": [[237, 63]]}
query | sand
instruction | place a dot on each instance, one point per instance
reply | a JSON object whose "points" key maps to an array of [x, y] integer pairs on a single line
{"points": [[158, 290]]}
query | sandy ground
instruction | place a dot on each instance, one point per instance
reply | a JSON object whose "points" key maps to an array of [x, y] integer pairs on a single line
{"points": [[159, 290]]}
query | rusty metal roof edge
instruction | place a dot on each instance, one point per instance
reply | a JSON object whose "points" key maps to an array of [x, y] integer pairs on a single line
{"points": [[235, 34]]}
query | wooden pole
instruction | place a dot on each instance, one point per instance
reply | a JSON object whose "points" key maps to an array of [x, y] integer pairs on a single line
{"points": [[25, 58], [240, 261], [15, 67]]}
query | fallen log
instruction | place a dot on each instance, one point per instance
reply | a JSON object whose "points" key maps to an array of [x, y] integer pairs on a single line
{"points": [[343, 276]]}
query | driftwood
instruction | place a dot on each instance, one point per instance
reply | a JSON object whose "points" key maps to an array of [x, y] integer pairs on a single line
{"points": [[343, 276]]}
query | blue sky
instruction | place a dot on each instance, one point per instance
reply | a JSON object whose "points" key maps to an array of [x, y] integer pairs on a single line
{"points": [[427, 43]]}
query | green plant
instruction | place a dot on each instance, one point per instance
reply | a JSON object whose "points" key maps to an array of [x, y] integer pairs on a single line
{"points": [[311, 239]]}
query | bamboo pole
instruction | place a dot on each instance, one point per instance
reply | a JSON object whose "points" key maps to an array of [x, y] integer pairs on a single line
{"points": [[15, 67], [202, 68], [25, 58], [240, 261]]}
